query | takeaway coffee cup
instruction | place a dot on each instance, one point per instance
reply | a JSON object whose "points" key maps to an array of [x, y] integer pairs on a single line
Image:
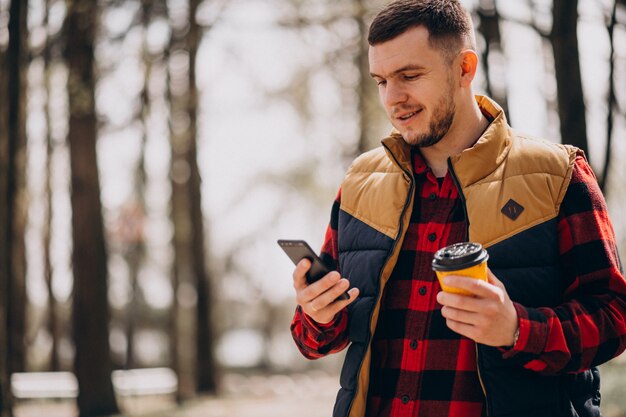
{"points": [[467, 259]]}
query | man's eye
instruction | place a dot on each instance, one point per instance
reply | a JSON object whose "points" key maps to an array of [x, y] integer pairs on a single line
{"points": [[381, 82], [411, 77]]}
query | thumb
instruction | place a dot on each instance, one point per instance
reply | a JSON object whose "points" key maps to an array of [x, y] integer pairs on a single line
{"points": [[493, 279]]}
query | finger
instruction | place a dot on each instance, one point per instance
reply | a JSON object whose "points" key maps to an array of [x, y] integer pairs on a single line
{"points": [[326, 313], [299, 274], [331, 294], [463, 329], [461, 301], [352, 294], [493, 279], [477, 287], [461, 316], [314, 290]]}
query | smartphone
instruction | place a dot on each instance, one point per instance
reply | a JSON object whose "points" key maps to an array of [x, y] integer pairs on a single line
{"points": [[298, 250]]}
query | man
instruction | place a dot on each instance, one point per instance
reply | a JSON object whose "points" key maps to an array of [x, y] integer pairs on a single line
{"points": [[527, 342]]}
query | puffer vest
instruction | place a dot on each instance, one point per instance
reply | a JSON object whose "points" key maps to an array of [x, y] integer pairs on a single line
{"points": [[497, 177]]}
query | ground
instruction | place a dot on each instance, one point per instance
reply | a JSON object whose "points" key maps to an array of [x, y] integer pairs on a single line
{"points": [[300, 395]]}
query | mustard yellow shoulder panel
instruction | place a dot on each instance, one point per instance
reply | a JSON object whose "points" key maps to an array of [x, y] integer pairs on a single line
{"points": [[535, 176], [374, 191]]}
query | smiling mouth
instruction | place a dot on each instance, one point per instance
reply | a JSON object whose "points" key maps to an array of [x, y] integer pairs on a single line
{"points": [[408, 115]]}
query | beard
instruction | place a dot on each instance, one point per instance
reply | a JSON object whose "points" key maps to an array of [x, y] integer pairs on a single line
{"points": [[439, 125]]}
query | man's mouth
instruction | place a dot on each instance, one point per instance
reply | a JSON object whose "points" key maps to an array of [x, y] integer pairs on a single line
{"points": [[407, 116]]}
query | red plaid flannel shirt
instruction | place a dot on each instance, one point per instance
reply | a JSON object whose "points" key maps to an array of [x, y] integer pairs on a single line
{"points": [[419, 366]]}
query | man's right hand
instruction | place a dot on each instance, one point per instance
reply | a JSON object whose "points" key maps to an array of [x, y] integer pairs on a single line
{"points": [[318, 299]]}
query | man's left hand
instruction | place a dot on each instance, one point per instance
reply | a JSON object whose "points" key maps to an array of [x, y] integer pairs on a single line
{"points": [[488, 316]]}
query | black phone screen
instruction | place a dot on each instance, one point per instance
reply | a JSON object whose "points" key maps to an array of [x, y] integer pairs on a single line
{"points": [[298, 250]]}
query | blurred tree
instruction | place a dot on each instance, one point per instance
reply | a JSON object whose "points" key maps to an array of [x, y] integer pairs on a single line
{"points": [[5, 236], [136, 209], [90, 303], [17, 69], [367, 92], [176, 335], [347, 60], [13, 58], [611, 98], [564, 39], [206, 378], [129, 233], [53, 324], [489, 29], [190, 270]]}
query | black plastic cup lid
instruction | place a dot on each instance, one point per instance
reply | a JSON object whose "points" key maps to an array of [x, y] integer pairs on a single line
{"points": [[459, 256]]}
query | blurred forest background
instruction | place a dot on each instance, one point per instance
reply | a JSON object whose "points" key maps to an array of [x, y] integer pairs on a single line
{"points": [[152, 151]]}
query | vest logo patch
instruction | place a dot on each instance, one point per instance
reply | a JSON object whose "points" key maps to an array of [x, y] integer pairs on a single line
{"points": [[512, 209]]}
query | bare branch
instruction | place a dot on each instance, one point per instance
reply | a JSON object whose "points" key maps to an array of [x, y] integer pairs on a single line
{"points": [[611, 101]]}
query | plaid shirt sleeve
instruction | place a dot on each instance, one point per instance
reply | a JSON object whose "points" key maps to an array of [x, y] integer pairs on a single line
{"points": [[314, 339], [589, 328]]}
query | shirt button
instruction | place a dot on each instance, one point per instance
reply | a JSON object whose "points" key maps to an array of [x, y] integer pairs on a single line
{"points": [[413, 344], [432, 237], [423, 291], [432, 196], [405, 399]]}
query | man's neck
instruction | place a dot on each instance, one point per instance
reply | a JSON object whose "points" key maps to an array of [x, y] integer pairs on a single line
{"points": [[462, 135]]}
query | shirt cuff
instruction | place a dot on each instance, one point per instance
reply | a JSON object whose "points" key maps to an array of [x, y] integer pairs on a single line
{"points": [[318, 331], [312, 324], [533, 332]]}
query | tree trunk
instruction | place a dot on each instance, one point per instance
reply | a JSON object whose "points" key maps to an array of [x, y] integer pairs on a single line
{"points": [[53, 326], [178, 335], [489, 28], [184, 322], [206, 378], [92, 360], [369, 116], [133, 256], [5, 234], [18, 57], [196, 366], [611, 102], [361, 63], [135, 249], [568, 75]]}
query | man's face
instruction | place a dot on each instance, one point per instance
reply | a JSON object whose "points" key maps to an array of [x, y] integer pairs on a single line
{"points": [[416, 86]]}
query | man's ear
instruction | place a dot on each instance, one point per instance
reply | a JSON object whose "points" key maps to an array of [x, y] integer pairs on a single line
{"points": [[468, 64]]}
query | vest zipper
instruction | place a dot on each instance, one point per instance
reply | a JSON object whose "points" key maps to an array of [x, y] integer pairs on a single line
{"points": [[393, 248], [482, 383], [464, 203], [456, 182]]}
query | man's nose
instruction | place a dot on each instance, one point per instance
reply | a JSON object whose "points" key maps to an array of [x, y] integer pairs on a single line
{"points": [[394, 94]]}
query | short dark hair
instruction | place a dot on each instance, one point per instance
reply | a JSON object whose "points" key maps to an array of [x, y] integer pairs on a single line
{"points": [[449, 25]]}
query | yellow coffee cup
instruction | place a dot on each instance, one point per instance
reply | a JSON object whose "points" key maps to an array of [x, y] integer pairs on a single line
{"points": [[468, 259]]}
